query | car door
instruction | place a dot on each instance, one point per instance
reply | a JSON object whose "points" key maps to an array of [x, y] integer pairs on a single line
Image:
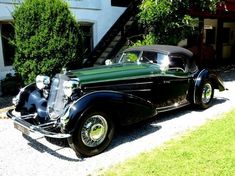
{"points": [[172, 85], [176, 80]]}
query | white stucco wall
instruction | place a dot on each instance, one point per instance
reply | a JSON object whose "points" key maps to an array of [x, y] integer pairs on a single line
{"points": [[102, 17], [98, 12]]}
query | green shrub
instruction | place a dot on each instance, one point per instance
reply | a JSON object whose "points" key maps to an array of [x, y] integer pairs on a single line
{"points": [[47, 38], [149, 39]]}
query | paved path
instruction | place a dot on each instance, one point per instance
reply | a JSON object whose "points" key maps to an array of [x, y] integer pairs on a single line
{"points": [[22, 156]]}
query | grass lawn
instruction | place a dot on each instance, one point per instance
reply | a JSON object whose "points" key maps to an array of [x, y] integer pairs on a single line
{"points": [[210, 150]]}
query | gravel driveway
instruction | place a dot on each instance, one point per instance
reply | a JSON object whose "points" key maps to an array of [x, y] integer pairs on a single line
{"points": [[23, 156]]}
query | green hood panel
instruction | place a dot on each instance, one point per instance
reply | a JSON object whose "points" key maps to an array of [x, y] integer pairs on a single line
{"points": [[116, 72]]}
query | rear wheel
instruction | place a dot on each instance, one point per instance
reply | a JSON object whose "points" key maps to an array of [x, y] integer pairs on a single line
{"points": [[92, 135], [206, 94]]}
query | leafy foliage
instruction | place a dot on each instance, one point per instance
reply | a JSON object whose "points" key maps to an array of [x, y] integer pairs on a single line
{"points": [[208, 5], [47, 38], [169, 21], [147, 40]]}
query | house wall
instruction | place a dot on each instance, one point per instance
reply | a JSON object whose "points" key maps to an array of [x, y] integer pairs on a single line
{"points": [[102, 17], [6, 8], [100, 13], [228, 46], [209, 24]]}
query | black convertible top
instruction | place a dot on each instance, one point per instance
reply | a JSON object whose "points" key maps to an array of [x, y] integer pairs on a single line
{"points": [[166, 49]]}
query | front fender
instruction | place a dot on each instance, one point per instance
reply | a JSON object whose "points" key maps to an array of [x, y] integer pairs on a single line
{"points": [[30, 100], [124, 109]]}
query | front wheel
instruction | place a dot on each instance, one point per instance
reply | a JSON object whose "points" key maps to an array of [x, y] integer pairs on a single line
{"points": [[92, 135], [206, 94]]}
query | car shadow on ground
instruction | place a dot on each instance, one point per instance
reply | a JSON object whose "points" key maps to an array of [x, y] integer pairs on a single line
{"points": [[149, 126], [43, 148], [123, 134], [133, 132]]}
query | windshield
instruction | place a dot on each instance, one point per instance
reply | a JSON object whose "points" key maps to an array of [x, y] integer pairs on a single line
{"points": [[165, 61], [129, 57], [144, 57]]}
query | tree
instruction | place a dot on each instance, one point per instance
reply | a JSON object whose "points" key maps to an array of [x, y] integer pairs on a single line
{"points": [[167, 21], [47, 38]]}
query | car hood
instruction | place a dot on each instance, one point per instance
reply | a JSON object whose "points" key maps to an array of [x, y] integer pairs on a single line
{"points": [[115, 72]]}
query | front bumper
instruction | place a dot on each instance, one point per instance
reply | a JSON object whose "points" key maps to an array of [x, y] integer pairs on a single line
{"points": [[29, 129]]}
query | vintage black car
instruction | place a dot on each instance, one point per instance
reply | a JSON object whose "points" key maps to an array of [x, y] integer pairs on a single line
{"points": [[86, 105]]}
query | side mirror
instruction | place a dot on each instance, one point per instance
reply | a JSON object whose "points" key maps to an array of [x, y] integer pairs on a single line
{"points": [[108, 62]]}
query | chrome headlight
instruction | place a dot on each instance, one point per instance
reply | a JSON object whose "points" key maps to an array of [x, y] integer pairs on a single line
{"points": [[70, 86], [42, 81]]}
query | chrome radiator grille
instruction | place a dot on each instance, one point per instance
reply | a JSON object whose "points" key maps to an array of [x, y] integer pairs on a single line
{"points": [[57, 100]]}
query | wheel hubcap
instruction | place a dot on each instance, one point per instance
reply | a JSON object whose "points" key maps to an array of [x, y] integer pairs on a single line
{"points": [[94, 131], [206, 93]]}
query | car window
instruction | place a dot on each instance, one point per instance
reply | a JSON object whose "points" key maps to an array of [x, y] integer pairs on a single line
{"points": [[162, 59], [149, 57], [178, 63], [192, 67], [155, 57]]}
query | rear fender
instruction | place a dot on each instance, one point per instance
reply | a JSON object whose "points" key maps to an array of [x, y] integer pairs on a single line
{"points": [[123, 108], [215, 79]]}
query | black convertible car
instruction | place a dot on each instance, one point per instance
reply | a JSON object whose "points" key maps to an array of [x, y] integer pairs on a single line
{"points": [[86, 105]]}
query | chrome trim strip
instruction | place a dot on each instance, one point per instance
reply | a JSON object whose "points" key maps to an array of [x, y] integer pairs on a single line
{"points": [[137, 90], [117, 85], [172, 107]]}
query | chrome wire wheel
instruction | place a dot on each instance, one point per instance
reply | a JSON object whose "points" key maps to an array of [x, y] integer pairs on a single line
{"points": [[207, 93], [94, 131]]}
